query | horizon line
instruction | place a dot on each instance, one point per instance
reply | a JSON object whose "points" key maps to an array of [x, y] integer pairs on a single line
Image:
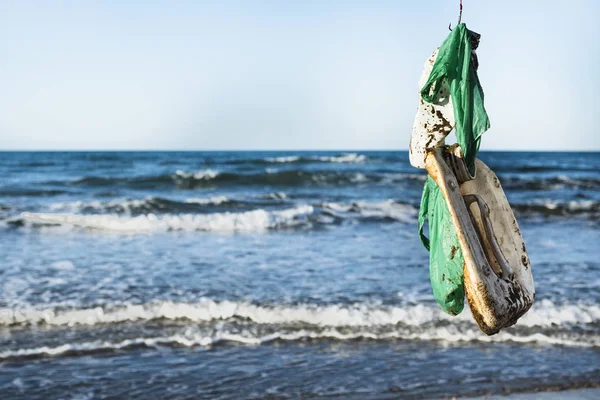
{"points": [[274, 150]]}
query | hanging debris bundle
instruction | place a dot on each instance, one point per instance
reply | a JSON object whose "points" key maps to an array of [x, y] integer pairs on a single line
{"points": [[476, 248]]}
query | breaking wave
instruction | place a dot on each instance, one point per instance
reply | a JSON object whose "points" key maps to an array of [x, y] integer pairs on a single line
{"points": [[207, 174], [220, 214], [546, 323], [385, 209], [544, 313], [389, 209], [442, 334], [301, 216], [249, 221], [215, 200]]}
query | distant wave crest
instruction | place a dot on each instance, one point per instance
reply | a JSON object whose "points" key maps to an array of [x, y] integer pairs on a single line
{"points": [[549, 208], [184, 180], [549, 183], [296, 159]]}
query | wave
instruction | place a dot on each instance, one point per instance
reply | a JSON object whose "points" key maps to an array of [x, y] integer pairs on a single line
{"points": [[146, 205], [211, 178], [349, 158], [543, 168], [207, 174], [155, 215], [31, 192], [549, 183], [546, 323], [549, 208], [249, 221], [388, 209], [272, 177], [164, 205], [544, 313], [445, 335], [346, 158], [126, 206], [215, 200], [208, 310], [253, 214], [34, 164], [301, 216], [281, 160]]}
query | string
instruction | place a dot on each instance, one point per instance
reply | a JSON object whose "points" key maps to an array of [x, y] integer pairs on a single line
{"points": [[459, 15]]}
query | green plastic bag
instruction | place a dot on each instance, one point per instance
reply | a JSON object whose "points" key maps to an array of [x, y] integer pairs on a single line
{"points": [[445, 258], [454, 63]]}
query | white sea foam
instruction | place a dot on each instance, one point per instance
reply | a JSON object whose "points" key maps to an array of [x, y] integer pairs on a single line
{"points": [[283, 159], [215, 200], [346, 158], [65, 265], [359, 178], [382, 209], [127, 205], [301, 322], [131, 205], [189, 339], [71, 205], [573, 206], [122, 218], [546, 313], [581, 205], [256, 220], [206, 174], [208, 310], [542, 314]]}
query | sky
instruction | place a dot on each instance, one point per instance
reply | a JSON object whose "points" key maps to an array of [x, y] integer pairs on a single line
{"points": [[293, 75]]}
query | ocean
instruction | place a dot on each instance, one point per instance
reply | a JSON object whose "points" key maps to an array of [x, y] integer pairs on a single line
{"points": [[231, 275]]}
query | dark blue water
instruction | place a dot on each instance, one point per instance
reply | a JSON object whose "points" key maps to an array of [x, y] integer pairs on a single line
{"points": [[274, 275]]}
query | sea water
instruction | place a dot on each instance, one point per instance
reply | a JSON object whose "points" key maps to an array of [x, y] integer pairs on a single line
{"points": [[274, 275]]}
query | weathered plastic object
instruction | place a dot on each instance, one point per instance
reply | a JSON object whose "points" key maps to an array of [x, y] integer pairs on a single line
{"points": [[433, 121], [497, 272]]}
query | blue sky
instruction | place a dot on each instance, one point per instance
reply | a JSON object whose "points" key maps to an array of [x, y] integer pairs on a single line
{"points": [[201, 75]]}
